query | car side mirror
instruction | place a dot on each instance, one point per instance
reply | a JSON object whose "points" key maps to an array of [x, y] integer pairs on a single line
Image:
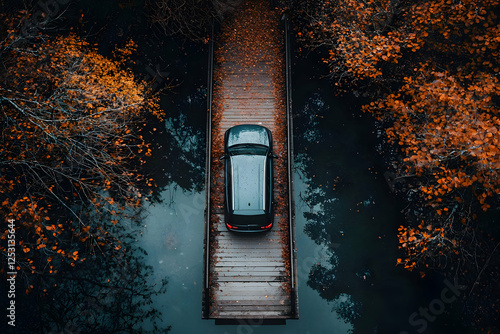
{"points": [[274, 156], [222, 158]]}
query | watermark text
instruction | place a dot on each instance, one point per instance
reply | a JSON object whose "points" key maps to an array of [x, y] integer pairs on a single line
{"points": [[11, 272]]}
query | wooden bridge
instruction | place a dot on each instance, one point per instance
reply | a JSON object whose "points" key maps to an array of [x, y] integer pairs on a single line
{"points": [[250, 276]]}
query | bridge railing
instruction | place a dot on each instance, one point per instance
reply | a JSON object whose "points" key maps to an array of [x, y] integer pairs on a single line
{"points": [[291, 202], [208, 177]]}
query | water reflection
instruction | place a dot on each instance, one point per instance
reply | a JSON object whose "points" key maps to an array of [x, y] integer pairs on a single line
{"points": [[178, 144], [353, 217], [350, 213], [173, 239]]}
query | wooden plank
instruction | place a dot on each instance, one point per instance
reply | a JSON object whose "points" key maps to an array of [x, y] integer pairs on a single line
{"points": [[249, 261], [251, 315], [249, 307], [263, 243], [258, 254], [239, 296], [260, 111], [238, 236], [244, 300], [250, 291], [242, 273], [238, 269], [260, 76], [241, 97], [272, 242], [221, 262], [260, 89], [242, 270], [227, 260], [248, 302], [234, 114], [258, 251], [267, 237], [244, 109], [257, 107], [257, 112], [257, 308], [250, 113], [253, 278], [241, 285], [248, 245], [246, 250], [271, 299]]}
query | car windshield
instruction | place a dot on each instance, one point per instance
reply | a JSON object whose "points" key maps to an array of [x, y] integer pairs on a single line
{"points": [[247, 149]]}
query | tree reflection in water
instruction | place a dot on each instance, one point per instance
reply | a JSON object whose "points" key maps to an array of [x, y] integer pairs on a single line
{"points": [[352, 213], [178, 144]]}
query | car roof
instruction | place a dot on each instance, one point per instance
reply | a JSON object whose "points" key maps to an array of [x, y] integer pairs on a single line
{"points": [[248, 134], [248, 173]]}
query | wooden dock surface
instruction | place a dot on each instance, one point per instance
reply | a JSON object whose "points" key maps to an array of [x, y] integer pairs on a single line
{"points": [[249, 275]]}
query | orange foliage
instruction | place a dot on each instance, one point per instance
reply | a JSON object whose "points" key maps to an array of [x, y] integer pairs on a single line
{"points": [[424, 242], [364, 36], [69, 144], [448, 130], [439, 59]]}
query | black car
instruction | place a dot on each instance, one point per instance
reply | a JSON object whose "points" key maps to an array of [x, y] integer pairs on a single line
{"points": [[248, 178]]}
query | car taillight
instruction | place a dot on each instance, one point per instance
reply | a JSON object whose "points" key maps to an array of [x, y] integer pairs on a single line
{"points": [[266, 227], [231, 226]]}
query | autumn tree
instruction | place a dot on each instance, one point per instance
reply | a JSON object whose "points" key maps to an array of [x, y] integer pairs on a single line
{"points": [[70, 154], [382, 40], [445, 118], [448, 128], [359, 35], [432, 65]]}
